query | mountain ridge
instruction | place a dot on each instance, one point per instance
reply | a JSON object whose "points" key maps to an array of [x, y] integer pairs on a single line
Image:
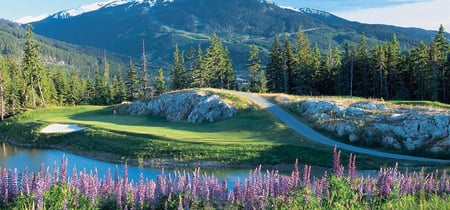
{"points": [[188, 23], [56, 53]]}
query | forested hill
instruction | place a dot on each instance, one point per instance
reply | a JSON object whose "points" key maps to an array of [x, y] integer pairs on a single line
{"points": [[57, 53], [121, 25]]}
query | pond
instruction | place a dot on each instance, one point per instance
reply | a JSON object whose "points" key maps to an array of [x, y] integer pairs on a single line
{"points": [[18, 157]]}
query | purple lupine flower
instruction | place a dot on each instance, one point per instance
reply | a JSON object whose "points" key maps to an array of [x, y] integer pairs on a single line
{"points": [[63, 169], [19, 182], [405, 185], [276, 184], [140, 194], [352, 167], [361, 186], [430, 183], [150, 192], [317, 188], [55, 177], [125, 182], [40, 188], [324, 182], [307, 176], [13, 184], [118, 191], [5, 185], [186, 201], [74, 180], [337, 162], [237, 191], [385, 182], [443, 183], [25, 183], [296, 174]]}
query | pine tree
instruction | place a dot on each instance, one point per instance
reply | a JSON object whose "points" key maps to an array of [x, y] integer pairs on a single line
{"points": [[178, 75], [418, 72], [302, 73], [132, 82], [319, 74], [146, 87], [254, 68], [274, 75], [160, 83], [229, 77], [263, 82], [200, 76], [33, 70], [440, 47], [336, 66], [394, 60], [361, 69], [288, 66], [380, 61], [218, 62], [89, 96], [75, 95], [62, 88], [343, 81], [120, 92], [16, 84], [99, 89]]}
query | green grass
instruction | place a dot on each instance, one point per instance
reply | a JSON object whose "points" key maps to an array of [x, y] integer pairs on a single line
{"points": [[252, 137], [434, 104]]}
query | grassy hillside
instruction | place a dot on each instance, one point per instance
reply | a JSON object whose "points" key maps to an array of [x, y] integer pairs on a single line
{"points": [[252, 137]]}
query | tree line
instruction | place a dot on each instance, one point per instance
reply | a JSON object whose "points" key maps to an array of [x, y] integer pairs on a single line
{"points": [[293, 67], [382, 71]]}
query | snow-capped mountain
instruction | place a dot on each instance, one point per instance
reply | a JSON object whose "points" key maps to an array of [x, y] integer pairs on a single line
{"points": [[112, 3], [30, 19], [101, 5], [308, 11], [87, 8], [120, 26]]}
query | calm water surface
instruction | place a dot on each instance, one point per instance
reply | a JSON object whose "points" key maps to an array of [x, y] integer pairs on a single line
{"points": [[17, 157]]}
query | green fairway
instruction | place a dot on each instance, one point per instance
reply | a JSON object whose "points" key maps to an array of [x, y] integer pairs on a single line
{"points": [[252, 137]]}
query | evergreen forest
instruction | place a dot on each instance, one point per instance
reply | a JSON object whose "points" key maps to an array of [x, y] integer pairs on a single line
{"points": [[294, 66]]}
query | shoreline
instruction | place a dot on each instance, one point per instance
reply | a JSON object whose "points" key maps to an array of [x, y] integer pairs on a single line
{"points": [[155, 163]]}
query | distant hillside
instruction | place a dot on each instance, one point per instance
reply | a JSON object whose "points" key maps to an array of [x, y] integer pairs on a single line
{"points": [[120, 26], [57, 53]]}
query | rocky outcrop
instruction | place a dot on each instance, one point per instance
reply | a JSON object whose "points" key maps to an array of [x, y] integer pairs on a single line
{"points": [[193, 106], [378, 123]]}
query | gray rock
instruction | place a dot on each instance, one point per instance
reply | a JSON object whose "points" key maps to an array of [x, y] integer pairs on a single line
{"points": [[352, 111], [192, 106], [395, 126], [345, 129], [436, 149], [353, 138], [389, 140], [398, 117]]}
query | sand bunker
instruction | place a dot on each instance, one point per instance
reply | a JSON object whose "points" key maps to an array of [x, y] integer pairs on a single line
{"points": [[62, 128]]}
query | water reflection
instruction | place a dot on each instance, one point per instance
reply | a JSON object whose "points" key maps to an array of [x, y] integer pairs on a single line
{"points": [[17, 157]]}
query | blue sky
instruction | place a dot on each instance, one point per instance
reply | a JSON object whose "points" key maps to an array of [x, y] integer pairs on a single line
{"points": [[428, 14]]}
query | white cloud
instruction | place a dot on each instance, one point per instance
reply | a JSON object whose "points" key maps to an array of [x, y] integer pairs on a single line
{"points": [[423, 14]]}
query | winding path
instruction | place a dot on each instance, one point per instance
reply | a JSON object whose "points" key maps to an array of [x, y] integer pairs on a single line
{"points": [[302, 129]]}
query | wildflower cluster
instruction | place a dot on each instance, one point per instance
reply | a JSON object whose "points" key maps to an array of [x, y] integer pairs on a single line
{"points": [[51, 187]]}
